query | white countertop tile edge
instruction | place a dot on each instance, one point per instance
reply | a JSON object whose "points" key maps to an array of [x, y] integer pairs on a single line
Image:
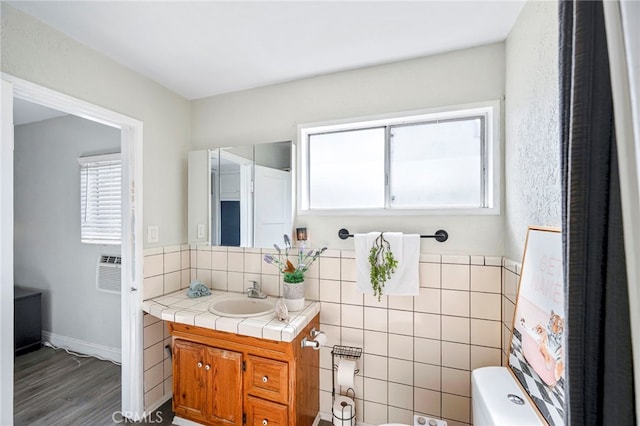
{"points": [[178, 307]]}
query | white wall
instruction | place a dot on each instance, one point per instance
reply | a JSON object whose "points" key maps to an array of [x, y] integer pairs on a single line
{"points": [[532, 141], [47, 249], [272, 113], [35, 52]]}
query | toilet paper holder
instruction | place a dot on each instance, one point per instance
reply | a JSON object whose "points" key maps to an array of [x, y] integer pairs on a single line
{"points": [[315, 344], [344, 352]]}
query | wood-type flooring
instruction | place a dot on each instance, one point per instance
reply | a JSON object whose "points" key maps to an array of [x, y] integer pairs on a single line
{"points": [[53, 388]]}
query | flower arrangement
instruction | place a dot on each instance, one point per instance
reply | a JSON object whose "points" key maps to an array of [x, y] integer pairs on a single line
{"points": [[293, 274]]}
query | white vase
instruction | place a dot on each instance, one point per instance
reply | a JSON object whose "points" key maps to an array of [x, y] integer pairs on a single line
{"points": [[294, 296]]}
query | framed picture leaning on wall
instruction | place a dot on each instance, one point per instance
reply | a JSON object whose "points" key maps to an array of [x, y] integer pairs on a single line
{"points": [[537, 350]]}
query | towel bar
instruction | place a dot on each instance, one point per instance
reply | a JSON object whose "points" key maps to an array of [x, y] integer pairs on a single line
{"points": [[441, 235]]}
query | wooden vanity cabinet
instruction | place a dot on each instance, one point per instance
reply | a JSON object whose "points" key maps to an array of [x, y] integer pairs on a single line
{"points": [[209, 383], [223, 378]]}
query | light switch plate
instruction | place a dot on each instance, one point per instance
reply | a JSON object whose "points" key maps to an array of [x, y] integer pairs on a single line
{"points": [[153, 234], [201, 230]]}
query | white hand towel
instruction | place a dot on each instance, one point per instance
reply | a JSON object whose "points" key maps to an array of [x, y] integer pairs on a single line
{"points": [[405, 249], [405, 281]]}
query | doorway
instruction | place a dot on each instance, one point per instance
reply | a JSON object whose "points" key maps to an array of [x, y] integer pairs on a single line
{"points": [[62, 168], [132, 404]]}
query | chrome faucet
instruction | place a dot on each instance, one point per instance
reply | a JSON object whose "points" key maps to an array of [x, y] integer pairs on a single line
{"points": [[255, 291]]}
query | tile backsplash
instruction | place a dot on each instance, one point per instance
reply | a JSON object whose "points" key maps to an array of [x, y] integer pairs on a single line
{"points": [[165, 270], [158, 385], [418, 352], [510, 281]]}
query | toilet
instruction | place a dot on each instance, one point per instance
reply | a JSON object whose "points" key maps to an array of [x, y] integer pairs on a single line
{"points": [[499, 401]]}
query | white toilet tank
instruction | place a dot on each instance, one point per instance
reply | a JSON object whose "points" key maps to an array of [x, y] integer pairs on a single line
{"points": [[492, 392]]}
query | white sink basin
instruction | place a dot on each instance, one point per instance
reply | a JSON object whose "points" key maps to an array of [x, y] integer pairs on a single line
{"points": [[242, 306]]}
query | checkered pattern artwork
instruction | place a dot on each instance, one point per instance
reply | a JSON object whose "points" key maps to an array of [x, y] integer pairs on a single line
{"points": [[549, 401]]}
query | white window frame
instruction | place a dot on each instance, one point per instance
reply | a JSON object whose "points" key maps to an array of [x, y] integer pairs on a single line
{"points": [[86, 163], [491, 112]]}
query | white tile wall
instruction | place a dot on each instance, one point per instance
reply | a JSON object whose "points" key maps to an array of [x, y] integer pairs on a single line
{"points": [[166, 270], [418, 352], [156, 362], [510, 281]]}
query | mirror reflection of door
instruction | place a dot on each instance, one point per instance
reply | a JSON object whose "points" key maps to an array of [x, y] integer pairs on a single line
{"points": [[273, 205], [240, 196], [273, 193], [236, 202]]}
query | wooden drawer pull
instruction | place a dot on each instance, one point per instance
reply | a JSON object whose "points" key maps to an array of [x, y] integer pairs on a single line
{"points": [[265, 379], [207, 367], [199, 365], [265, 422]]}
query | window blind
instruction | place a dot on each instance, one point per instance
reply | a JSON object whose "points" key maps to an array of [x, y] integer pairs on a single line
{"points": [[100, 199]]}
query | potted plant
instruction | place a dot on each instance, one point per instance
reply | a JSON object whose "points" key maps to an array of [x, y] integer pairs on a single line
{"points": [[293, 275]]}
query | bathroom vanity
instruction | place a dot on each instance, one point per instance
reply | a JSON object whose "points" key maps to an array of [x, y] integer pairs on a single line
{"points": [[224, 378], [226, 372]]}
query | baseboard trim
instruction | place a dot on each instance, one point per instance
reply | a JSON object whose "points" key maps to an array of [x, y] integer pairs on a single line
{"points": [[82, 347], [180, 421], [325, 416], [155, 405]]}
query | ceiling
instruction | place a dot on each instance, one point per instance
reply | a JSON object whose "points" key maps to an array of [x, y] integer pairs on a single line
{"points": [[205, 48]]}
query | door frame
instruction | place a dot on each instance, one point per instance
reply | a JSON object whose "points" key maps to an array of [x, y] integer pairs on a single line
{"points": [[131, 142]]}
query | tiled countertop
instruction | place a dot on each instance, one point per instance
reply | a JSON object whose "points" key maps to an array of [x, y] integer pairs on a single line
{"points": [[178, 307]]}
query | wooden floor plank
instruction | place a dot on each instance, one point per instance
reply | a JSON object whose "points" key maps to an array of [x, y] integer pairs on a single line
{"points": [[55, 388]]}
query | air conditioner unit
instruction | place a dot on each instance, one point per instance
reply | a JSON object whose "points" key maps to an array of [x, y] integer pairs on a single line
{"points": [[108, 274]]}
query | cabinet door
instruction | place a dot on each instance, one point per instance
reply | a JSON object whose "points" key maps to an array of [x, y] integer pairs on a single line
{"points": [[189, 380], [265, 413], [224, 371]]}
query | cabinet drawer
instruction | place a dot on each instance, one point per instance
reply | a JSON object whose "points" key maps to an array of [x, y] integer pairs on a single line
{"points": [[267, 378], [265, 413]]}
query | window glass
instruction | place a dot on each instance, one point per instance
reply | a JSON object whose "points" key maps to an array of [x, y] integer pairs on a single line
{"points": [[346, 169], [445, 161], [100, 199], [437, 164]]}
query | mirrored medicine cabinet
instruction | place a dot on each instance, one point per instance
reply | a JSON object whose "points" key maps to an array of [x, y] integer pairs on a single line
{"points": [[240, 196]]}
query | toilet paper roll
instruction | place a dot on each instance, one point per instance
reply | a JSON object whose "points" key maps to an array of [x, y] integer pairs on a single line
{"points": [[344, 411], [321, 339], [346, 372]]}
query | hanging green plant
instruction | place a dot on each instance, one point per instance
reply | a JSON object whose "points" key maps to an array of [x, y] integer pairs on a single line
{"points": [[382, 263]]}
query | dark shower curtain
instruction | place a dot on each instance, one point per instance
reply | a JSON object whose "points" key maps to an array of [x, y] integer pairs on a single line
{"points": [[599, 353]]}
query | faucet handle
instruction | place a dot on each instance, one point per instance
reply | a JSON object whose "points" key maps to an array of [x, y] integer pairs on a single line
{"points": [[255, 291]]}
